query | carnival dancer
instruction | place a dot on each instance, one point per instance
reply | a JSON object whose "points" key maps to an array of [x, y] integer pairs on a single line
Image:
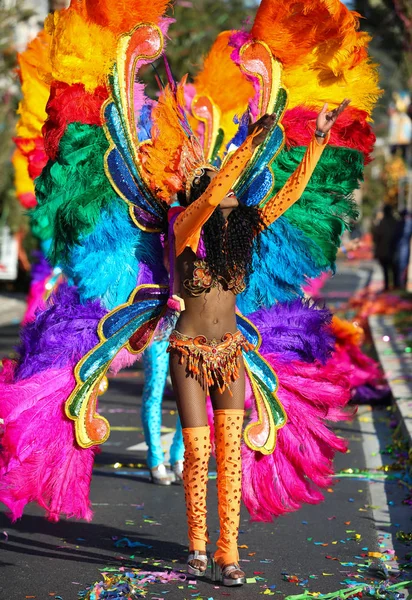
{"points": [[206, 346], [130, 179]]}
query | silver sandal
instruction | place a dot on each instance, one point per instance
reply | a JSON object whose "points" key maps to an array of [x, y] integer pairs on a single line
{"points": [[177, 469], [203, 558], [222, 576], [161, 476]]}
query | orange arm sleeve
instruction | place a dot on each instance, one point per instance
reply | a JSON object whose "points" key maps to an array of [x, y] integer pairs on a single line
{"points": [[295, 185], [189, 223]]}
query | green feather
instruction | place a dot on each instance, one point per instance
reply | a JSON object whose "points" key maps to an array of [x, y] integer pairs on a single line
{"points": [[73, 190], [326, 207], [218, 144]]}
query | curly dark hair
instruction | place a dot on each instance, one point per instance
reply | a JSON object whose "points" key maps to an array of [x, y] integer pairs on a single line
{"points": [[229, 243]]}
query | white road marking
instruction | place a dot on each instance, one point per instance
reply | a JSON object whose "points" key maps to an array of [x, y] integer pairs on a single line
{"points": [[167, 440], [384, 515]]}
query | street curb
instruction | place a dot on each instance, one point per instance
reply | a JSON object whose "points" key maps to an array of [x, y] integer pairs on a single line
{"points": [[397, 366]]}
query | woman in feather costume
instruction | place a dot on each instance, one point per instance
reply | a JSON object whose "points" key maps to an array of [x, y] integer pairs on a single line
{"points": [[206, 346], [117, 164]]}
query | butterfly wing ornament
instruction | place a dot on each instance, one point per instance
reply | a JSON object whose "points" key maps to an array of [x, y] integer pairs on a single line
{"points": [[121, 115], [258, 181]]}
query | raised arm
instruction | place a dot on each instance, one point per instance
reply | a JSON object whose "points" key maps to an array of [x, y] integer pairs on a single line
{"points": [[297, 182], [190, 222]]}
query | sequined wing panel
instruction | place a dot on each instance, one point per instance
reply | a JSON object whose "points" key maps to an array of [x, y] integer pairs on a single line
{"points": [[121, 117], [261, 435], [130, 326], [256, 61]]}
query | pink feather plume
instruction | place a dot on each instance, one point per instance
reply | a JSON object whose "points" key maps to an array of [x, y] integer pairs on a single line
{"points": [[302, 461], [40, 461]]}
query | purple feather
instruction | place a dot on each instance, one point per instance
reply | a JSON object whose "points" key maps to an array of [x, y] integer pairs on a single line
{"points": [[366, 394], [296, 331], [170, 79], [60, 335], [40, 268]]}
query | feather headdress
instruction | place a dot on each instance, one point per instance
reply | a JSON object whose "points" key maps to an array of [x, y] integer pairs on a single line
{"points": [[175, 152]]}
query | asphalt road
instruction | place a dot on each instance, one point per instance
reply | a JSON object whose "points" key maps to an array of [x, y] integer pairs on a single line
{"points": [[319, 546]]}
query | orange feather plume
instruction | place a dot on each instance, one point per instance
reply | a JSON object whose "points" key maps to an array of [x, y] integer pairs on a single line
{"points": [[347, 332], [222, 80], [172, 153], [119, 16], [323, 53], [325, 28]]}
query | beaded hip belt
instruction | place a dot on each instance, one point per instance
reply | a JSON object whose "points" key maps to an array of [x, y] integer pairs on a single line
{"points": [[213, 363]]}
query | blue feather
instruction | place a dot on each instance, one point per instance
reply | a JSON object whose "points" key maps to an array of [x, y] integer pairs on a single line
{"points": [[105, 263], [145, 123], [241, 133], [287, 258]]}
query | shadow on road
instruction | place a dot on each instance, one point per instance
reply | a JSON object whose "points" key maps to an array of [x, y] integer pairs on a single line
{"points": [[96, 536]]}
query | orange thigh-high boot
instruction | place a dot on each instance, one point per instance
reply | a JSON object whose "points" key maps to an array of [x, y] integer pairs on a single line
{"points": [[228, 433], [195, 475]]}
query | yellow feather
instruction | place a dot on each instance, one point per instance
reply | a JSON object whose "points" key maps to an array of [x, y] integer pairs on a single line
{"points": [[34, 66], [81, 51], [313, 88], [22, 182]]}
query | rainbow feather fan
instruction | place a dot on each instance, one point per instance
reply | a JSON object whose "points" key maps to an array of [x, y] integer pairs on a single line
{"points": [[115, 159], [297, 57], [65, 82]]}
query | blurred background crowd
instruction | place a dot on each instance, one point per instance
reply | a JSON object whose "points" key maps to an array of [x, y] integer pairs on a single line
{"points": [[384, 229]]}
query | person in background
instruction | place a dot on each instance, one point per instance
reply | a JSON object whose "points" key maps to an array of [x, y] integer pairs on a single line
{"points": [[155, 365], [403, 249], [385, 243]]}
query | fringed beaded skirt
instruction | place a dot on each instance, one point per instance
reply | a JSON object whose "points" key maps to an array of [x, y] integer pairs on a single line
{"points": [[213, 363]]}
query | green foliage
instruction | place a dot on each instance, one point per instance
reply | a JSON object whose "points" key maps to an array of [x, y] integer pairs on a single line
{"points": [[390, 24]]}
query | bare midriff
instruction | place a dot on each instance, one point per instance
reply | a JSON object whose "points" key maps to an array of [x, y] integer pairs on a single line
{"points": [[211, 313]]}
